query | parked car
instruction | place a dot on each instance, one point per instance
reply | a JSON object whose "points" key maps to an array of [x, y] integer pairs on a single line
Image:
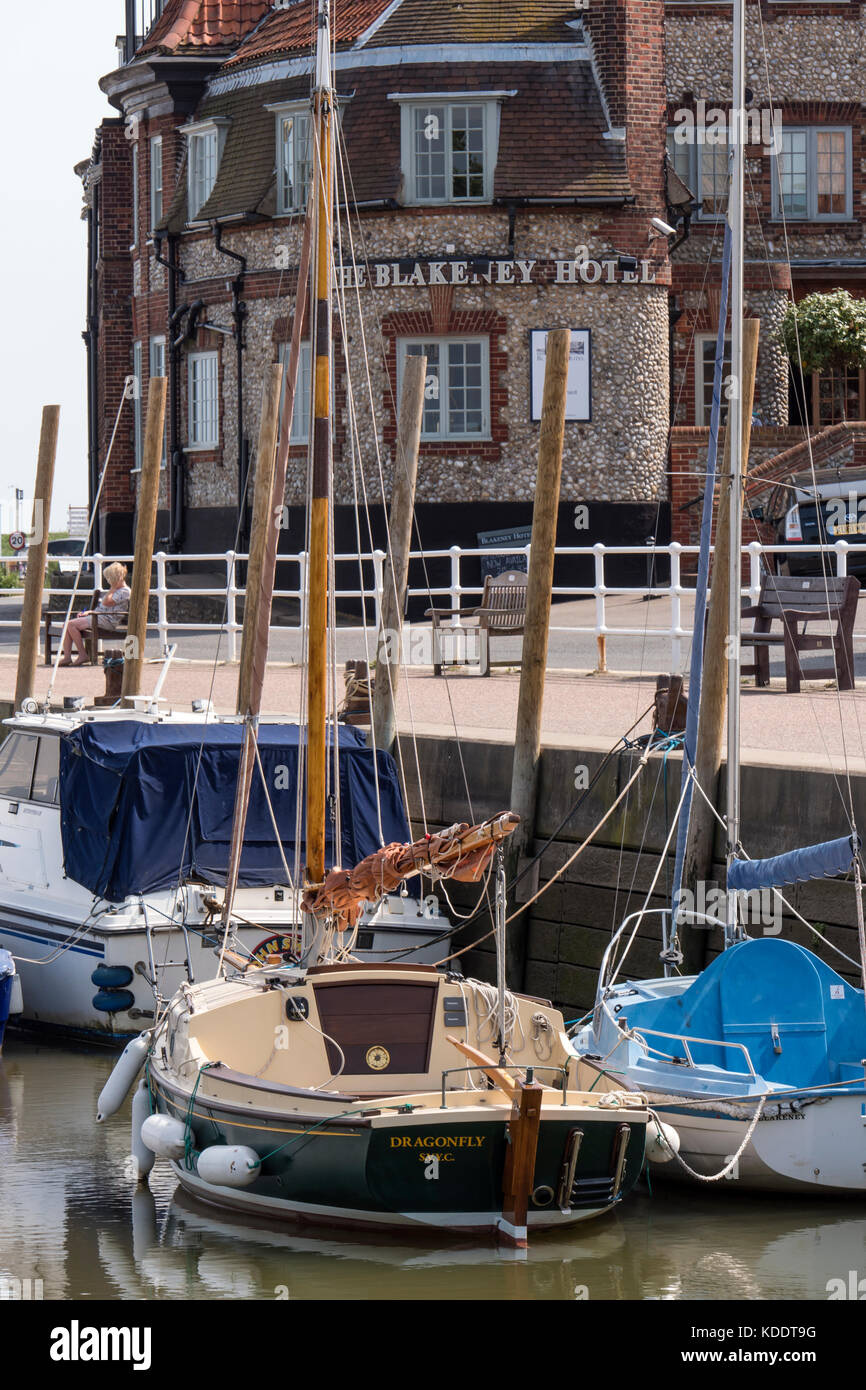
{"points": [[819, 511], [68, 546]]}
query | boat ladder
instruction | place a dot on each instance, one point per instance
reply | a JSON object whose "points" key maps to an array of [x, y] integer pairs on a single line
{"points": [[157, 969]]}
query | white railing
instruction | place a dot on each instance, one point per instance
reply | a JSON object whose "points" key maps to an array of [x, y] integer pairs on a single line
{"points": [[368, 575]]}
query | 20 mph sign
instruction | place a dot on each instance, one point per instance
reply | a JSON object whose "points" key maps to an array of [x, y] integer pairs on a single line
{"points": [[17, 540]]}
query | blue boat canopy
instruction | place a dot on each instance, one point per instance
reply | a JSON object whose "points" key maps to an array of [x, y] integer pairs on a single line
{"points": [[144, 806], [816, 861]]}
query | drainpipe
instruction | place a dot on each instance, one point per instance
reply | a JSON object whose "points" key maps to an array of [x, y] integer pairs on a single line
{"points": [[90, 336], [177, 482], [239, 313]]}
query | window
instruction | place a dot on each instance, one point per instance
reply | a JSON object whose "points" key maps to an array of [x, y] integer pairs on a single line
{"points": [[155, 181], [294, 157], [203, 400], [702, 164], [46, 779], [17, 756], [138, 432], [157, 368], [134, 148], [303, 396], [705, 363], [206, 140], [457, 396], [449, 149], [812, 174]]}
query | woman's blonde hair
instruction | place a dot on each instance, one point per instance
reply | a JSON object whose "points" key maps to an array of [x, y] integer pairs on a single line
{"points": [[115, 574]]}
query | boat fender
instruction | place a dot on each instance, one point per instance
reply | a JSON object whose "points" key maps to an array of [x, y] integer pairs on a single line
{"points": [[113, 1001], [164, 1136], [111, 976], [119, 1083], [228, 1166], [143, 1158], [662, 1141], [16, 1003]]}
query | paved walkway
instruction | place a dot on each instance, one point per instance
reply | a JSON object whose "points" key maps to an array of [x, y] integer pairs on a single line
{"points": [[817, 728]]}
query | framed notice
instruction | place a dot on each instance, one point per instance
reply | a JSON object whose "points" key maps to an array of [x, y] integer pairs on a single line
{"points": [[579, 402]]}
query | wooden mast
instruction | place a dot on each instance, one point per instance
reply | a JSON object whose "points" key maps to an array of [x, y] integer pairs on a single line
{"points": [[321, 457]]}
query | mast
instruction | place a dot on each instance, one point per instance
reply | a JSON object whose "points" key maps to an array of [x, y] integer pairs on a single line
{"points": [[735, 426], [323, 112]]}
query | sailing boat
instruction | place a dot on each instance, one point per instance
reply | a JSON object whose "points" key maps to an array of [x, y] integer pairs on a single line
{"points": [[339, 1091], [758, 1061]]}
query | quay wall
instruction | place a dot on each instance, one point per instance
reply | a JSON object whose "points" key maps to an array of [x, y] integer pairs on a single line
{"points": [[783, 807]]}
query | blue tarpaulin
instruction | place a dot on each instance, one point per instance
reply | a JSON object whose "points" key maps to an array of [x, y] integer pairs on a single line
{"points": [[817, 861], [140, 812]]}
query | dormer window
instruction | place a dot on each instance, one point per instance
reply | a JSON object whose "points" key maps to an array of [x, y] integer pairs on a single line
{"points": [[294, 157], [449, 144], [205, 142]]}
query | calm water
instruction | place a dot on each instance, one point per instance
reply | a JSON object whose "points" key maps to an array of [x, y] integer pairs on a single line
{"points": [[69, 1217]]}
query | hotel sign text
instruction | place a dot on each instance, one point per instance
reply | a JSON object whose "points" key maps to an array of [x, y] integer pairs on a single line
{"points": [[406, 274]]}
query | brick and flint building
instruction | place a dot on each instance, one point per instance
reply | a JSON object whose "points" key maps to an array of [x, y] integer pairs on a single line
{"points": [[502, 164]]}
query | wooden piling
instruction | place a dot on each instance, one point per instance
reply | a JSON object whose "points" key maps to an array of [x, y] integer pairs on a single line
{"points": [[37, 551], [527, 741], [145, 533]]}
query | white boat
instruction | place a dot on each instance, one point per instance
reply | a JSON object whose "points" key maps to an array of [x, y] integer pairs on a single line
{"points": [[758, 1062], [91, 955]]}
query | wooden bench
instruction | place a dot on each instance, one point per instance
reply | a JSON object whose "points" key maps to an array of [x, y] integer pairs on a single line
{"points": [[94, 636], [795, 603], [501, 613]]}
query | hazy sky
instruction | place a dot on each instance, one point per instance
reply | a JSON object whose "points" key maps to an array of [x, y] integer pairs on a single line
{"points": [[53, 55]]}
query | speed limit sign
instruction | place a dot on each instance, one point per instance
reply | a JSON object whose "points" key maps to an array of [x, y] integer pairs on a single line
{"points": [[17, 540]]}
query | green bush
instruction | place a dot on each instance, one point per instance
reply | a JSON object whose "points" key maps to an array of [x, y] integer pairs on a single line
{"points": [[825, 332]]}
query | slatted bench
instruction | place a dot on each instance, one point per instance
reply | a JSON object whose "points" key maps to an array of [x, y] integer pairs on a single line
{"points": [[794, 603], [93, 638], [501, 613]]}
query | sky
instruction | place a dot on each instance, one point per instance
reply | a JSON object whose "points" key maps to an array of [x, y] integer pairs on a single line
{"points": [[53, 55]]}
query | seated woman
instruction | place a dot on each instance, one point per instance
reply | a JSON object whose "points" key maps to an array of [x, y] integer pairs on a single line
{"points": [[112, 611]]}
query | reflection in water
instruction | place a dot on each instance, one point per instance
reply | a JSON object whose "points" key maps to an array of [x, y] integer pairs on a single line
{"points": [[70, 1216]]}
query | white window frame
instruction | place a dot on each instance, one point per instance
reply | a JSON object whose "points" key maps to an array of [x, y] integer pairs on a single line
{"points": [[692, 177], [811, 214], [702, 416], [302, 413], [444, 434], [203, 431], [137, 424], [135, 196], [283, 111], [157, 367], [214, 130], [410, 103], [156, 183]]}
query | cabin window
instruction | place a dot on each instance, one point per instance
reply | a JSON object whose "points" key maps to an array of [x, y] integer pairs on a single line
{"points": [[203, 400], [702, 164], [303, 395], [17, 759], [205, 146], [294, 158], [46, 778], [155, 181], [457, 393], [812, 174], [449, 149]]}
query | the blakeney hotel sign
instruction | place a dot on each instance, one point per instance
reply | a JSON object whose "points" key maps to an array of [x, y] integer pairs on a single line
{"points": [[407, 274]]}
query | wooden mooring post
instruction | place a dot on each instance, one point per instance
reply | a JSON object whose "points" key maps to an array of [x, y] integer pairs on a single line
{"points": [[37, 551], [145, 533]]}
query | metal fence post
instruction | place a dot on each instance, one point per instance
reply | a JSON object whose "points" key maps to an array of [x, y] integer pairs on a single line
{"points": [[161, 600], [676, 591], [841, 549], [231, 605], [456, 589], [756, 551]]}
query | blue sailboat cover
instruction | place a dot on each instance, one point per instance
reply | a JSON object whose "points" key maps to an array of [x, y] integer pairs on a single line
{"points": [[144, 806], [798, 866]]}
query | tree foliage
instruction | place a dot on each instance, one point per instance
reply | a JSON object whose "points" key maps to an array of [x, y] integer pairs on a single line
{"points": [[825, 332]]}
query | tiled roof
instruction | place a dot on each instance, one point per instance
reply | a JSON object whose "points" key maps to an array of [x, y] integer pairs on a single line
{"points": [[478, 21], [204, 24], [294, 30]]}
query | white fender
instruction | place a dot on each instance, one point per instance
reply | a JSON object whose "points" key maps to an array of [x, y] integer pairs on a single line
{"points": [[16, 1003], [662, 1141], [126, 1069], [228, 1165], [164, 1136], [143, 1157]]}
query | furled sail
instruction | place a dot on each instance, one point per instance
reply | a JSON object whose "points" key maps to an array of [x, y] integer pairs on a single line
{"points": [[798, 866]]}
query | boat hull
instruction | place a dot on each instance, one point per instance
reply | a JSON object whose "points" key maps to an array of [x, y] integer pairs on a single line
{"points": [[439, 1169]]}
